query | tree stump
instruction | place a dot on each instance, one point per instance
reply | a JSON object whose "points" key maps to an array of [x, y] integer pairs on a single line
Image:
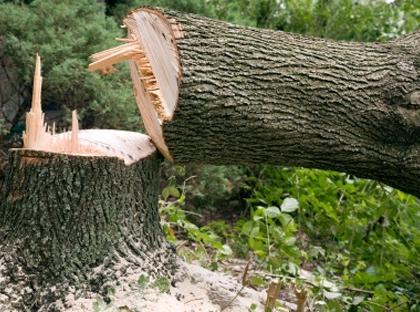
{"points": [[71, 223], [216, 93]]}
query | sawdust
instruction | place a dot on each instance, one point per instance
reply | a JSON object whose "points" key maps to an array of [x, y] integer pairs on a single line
{"points": [[195, 289]]}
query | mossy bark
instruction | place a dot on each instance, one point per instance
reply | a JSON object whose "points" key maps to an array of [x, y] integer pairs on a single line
{"points": [[250, 96], [69, 223]]}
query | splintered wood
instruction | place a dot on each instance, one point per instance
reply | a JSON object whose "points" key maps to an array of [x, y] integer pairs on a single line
{"points": [[176, 29], [152, 52], [35, 128], [37, 134], [103, 61], [151, 47], [157, 36], [128, 146], [75, 146]]}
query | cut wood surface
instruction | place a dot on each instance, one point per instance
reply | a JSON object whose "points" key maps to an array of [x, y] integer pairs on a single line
{"points": [[217, 93]]}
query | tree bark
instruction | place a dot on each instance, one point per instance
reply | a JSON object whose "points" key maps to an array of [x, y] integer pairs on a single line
{"points": [[72, 223], [247, 96]]}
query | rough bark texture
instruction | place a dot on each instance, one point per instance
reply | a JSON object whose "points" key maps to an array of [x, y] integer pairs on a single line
{"points": [[75, 223], [259, 96]]}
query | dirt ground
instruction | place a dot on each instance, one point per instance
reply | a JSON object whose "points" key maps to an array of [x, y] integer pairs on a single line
{"points": [[196, 290]]}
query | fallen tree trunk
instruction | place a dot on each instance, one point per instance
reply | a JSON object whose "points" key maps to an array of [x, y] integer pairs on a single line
{"points": [[212, 92], [78, 211]]}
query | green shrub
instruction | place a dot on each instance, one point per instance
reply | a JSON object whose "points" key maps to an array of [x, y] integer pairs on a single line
{"points": [[364, 232]]}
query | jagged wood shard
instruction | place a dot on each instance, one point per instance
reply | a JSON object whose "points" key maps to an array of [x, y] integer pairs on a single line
{"points": [[227, 94], [154, 62], [35, 118], [128, 146]]}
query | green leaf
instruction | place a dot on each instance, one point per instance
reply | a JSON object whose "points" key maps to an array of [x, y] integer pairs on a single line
{"points": [[226, 250], [257, 218], [214, 266], [170, 191], [272, 212], [255, 231], [247, 227], [289, 204]]}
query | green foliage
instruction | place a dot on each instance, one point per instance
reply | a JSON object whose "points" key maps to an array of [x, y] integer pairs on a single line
{"points": [[143, 281], [357, 233], [162, 284], [252, 307], [176, 225], [359, 230], [270, 234], [65, 33], [346, 19], [120, 8], [208, 187], [337, 19]]}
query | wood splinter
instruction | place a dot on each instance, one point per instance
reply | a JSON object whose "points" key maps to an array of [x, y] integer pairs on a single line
{"points": [[154, 65], [128, 146], [38, 135]]}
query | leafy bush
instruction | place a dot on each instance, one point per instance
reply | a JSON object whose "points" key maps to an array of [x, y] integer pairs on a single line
{"points": [[360, 234], [209, 187], [360, 230], [177, 226]]}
